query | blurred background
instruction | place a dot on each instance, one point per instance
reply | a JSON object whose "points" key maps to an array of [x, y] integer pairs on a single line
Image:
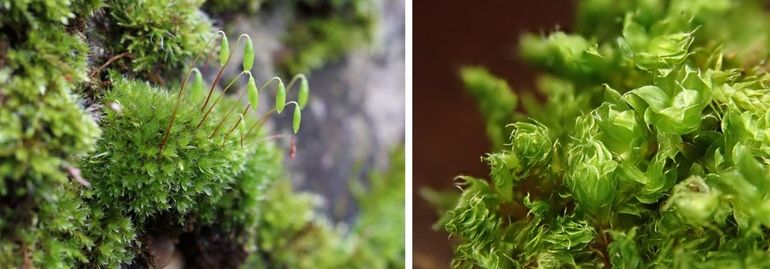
{"points": [[449, 133]]}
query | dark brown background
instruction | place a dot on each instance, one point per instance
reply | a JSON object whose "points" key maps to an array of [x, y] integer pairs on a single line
{"points": [[449, 135]]}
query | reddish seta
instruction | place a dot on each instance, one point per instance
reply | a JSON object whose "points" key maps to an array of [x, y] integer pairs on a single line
{"points": [[293, 149]]}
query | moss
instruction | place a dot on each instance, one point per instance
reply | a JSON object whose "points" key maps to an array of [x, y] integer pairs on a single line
{"points": [[44, 130], [647, 152], [223, 8], [203, 195], [318, 32], [379, 230], [37, 13], [304, 240], [197, 180], [132, 173], [160, 36], [325, 30]]}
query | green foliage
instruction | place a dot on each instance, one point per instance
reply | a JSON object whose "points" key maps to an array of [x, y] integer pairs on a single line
{"points": [[227, 7], [379, 241], [131, 173], [496, 101], [159, 35], [304, 240], [40, 13], [198, 179], [43, 130], [328, 34], [135, 187], [319, 32], [651, 150]]}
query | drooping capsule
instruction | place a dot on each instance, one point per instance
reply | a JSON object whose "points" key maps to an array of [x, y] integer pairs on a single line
{"points": [[224, 50], [196, 90], [248, 54], [304, 92], [297, 119], [280, 97], [251, 89], [242, 125]]}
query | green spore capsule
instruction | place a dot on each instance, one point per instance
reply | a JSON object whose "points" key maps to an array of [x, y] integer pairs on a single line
{"points": [[280, 97], [248, 54], [251, 89], [304, 92], [297, 119], [242, 125], [224, 50], [196, 91]]}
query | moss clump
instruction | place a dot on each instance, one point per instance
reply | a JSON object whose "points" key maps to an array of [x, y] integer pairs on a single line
{"points": [[128, 169], [160, 36], [21, 14], [43, 130], [649, 152], [198, 182]]}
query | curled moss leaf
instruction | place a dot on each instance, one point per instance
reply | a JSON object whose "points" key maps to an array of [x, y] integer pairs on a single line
{"points": [[531, 143], [695, 200]]}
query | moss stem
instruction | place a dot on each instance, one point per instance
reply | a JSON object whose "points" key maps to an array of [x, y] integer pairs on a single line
{"points": [[181, 92], [236, 126], [216, 101], [222, 122]]}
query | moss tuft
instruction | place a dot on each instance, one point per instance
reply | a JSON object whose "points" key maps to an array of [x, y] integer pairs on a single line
{"points": [[159, 36]]}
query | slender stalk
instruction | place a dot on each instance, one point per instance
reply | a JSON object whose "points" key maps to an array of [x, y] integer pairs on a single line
{"points": [[213, 84], [294, 80], [109, 61], [265, 117], [236, 126], [260, 122], [271, 80], [268, 138], [219, 74], [222, 122], [219, 97], [181, 92]]}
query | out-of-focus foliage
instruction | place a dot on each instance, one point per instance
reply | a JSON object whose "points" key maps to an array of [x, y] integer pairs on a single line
{"points": [[319, 31], [378, 243], [496, 101], [302, 240], [328, 31], [651, 150], [228, 7]]}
